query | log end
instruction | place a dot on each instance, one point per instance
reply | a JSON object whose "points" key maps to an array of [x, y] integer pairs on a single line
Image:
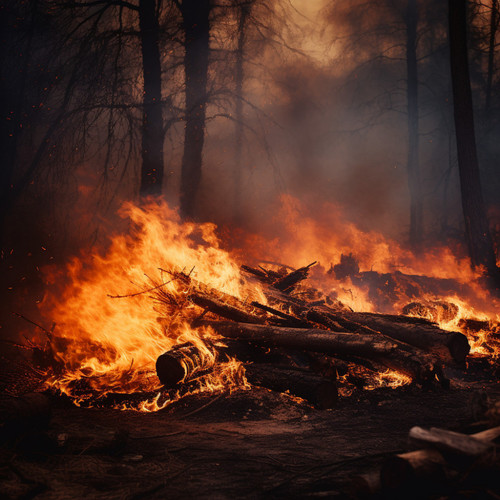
{"points": [[170, 370]]}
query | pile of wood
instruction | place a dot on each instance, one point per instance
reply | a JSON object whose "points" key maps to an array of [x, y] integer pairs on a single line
{"points": [[442, 463], [299, 340]]}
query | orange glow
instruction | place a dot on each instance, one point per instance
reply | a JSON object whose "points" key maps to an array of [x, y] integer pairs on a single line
{"points": [[108, 334], [127, 305]]}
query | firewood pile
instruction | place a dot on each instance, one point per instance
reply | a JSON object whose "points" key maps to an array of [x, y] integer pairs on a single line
{"points": [[302, 341]]}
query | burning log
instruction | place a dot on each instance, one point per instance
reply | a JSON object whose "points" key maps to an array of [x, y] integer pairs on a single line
{"points": [[319, 391], [422, 333], [391, 353], [288, 282], [183, 362], [222, 309], [435, 311], [417, 332]]}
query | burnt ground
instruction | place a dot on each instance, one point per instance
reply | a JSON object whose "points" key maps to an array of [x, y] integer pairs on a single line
{"points": [[248, 444]]}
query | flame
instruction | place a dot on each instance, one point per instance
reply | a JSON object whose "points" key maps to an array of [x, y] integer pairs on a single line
{"points": [[125, 306], [110, 331]]}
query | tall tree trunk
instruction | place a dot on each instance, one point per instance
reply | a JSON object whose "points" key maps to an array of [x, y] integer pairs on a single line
{"points": [[478, 236], [413, 166], [244, 12], [491, 55], [196, 24], [152, 117]]}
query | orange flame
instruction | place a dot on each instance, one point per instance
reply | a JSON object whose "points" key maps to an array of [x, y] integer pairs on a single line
{"points": [[111, 327], [108, 333]]}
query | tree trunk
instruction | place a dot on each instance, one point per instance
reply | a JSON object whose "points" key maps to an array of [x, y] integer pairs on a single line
{"points": [[491, 55], [413, 166], [476, 223], [152, 117], [196, 24], [244, 12], [12, 102]]}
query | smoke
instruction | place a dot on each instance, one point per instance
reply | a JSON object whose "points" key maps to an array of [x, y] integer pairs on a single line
{"points": [[324, 121]]}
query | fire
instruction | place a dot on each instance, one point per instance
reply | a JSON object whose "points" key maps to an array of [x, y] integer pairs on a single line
{"points": [[127, 305], [323, 234], [109, 330]]}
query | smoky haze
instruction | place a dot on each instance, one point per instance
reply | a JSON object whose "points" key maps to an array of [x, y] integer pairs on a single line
{"points": [[324, 119]]}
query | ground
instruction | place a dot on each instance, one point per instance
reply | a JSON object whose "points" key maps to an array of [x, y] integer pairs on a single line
{"points": [[248, 444]]}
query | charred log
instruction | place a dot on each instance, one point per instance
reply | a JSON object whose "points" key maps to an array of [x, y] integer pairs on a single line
{"points": [[430, 463], [222, 309], [319, 391], [417, 332], [183, 362], [423, 335], [288, 282], [391, 353]]}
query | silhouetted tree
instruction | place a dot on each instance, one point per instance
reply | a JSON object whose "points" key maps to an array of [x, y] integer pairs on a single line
{"points": [[152, 121], [196, 26], [476, 223], [413, 165], [244, 8]]}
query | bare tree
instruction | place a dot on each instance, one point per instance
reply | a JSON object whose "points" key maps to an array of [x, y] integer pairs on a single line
{"points": [[152, 121], [243, 12], [413, 165], [477, 230], [196, 27]]}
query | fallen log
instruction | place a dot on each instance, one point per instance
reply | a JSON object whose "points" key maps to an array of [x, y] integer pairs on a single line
{"points": [[222, 309], [452, 442], [424, 335], [391, 353], [418, 332], [319, 391], [430, 463]]}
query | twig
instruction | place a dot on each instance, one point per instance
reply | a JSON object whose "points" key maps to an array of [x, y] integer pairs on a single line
{"points": [[206, 405], [141, 292], [47, 332]]}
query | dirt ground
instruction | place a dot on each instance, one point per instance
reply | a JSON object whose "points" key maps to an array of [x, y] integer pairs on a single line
{"points": [[249, 444]]}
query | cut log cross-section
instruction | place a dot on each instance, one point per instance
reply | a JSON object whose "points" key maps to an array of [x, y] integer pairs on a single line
{"points": [[183, 362]]}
